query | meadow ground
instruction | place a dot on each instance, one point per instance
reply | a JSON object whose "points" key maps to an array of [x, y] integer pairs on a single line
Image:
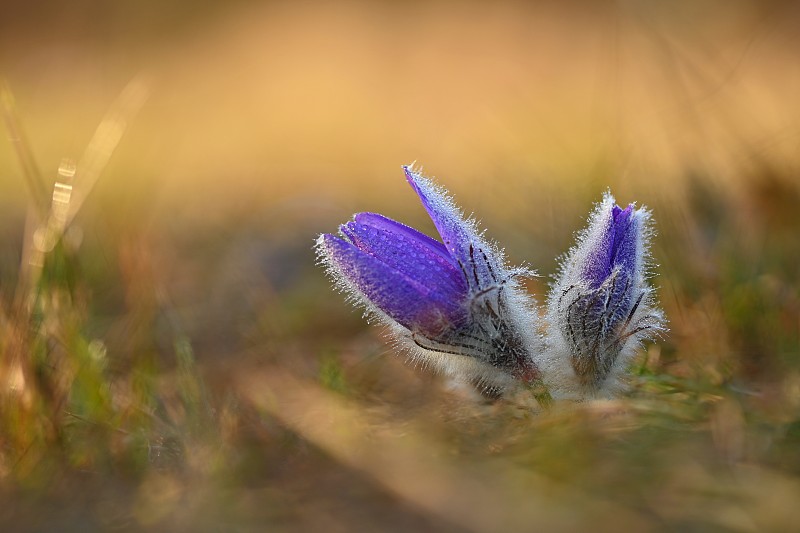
{"points": [[171, 358]]}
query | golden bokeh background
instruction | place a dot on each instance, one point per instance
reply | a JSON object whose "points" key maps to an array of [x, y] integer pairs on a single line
{"points": [[284, 100]]}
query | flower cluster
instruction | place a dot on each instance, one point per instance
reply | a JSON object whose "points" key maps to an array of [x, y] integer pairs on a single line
{"points": [[454, 304]]}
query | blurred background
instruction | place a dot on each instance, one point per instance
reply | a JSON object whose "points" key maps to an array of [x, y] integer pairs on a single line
{"points": [[173, 358]]}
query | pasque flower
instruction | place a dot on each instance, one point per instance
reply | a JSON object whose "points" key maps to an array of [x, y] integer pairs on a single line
{"points": [[601, 307], [454, 304], [451, 303]]}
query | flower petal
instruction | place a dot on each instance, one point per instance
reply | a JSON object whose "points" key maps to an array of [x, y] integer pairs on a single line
{"points": [[601, 306], [412, 304], [381, 222], [408, 251], [597, 245], [474, 256], [627, 239]]}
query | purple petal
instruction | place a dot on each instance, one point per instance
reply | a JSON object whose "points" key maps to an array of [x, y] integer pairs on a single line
{"points": [[610, 269], [626, 239], [407, 251], [462, 242], [408, 301], [615, 247], [598, 265], [387, 224]]}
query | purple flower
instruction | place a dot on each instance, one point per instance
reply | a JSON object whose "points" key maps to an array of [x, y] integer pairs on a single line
{"points": [[409, 276], [455, 302], [601, 307]]}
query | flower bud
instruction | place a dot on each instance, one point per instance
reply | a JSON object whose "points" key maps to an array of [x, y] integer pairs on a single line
{"points": [[601, 308], [452, 303]]}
